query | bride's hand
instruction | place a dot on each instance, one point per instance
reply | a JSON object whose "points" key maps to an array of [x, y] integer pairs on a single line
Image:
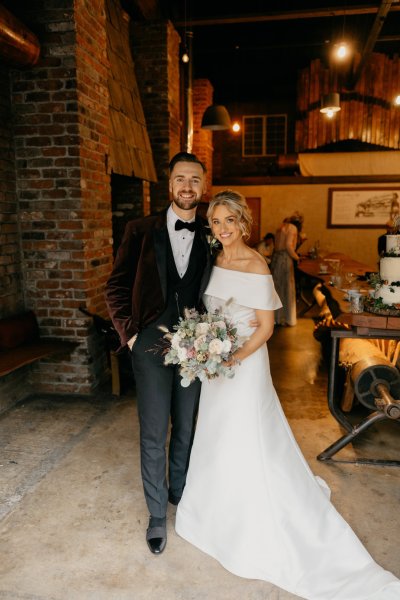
{"points": [[231, 362], [254, 323]]}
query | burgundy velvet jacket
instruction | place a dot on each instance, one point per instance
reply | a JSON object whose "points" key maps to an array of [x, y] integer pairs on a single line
{"points": [[136, 291]]}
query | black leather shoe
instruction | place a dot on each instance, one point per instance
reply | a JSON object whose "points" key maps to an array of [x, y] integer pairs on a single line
{"points": [[172, 499], [156, 534]]}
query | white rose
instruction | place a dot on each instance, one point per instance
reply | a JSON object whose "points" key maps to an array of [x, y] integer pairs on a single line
{"points": [[226, 345], [175, 341], [215, 346], [182, 353], [220, 324], [202, 329]]}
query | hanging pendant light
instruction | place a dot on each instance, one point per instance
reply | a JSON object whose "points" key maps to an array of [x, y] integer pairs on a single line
{"points": [[216, 118], [330, 104]]}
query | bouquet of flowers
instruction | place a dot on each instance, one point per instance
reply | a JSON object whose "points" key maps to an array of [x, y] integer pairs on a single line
{"points": [[200, 344]]}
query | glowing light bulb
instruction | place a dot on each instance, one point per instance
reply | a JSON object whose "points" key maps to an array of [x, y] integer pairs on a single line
{"points": [[236, 127], [342, 51], [185, 57], [329, 113], [397, 100]]}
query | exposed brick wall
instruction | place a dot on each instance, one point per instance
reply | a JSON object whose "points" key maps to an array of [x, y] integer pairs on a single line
{"points": [[94, 258], [94, 128], [11, 295], [61, 127], [13, 387], [61, 122], [156, 55], [202, 138]]}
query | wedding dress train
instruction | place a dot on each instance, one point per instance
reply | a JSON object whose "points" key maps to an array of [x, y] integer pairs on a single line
{"points": [[251, 500]]}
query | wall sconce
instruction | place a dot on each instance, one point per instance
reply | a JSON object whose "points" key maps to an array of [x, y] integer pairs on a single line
{"points": [[330, 104], [216, 118]]}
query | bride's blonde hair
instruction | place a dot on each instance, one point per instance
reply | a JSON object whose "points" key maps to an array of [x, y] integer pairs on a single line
{"points": [[237, 205]]}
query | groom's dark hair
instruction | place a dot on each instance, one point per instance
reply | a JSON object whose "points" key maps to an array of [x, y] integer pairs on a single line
{"points": [[185, 157]]}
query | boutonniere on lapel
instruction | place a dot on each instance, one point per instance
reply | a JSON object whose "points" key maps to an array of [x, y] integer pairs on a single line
{"points": [[213, 243]]}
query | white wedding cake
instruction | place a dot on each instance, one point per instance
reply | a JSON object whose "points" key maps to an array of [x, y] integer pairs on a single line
{"points": [[389, 271]]}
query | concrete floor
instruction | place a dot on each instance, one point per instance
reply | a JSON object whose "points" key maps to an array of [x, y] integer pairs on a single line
{"points": [[73, 517]]}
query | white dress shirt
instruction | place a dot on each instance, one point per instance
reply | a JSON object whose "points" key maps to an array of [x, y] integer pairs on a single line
{"points": [[181, 242]]}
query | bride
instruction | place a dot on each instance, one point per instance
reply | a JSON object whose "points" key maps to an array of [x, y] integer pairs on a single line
{"points": [[251, 500]]}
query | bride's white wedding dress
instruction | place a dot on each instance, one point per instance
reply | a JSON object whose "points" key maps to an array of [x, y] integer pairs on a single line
{"points": [[251, 500]]}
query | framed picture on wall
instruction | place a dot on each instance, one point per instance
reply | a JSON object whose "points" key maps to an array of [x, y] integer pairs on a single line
{"points": [[362, 206]]}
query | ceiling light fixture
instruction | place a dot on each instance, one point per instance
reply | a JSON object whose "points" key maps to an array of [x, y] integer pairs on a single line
{"points": [[216, 118], [397, 100], [330, 104], [185, 58]]}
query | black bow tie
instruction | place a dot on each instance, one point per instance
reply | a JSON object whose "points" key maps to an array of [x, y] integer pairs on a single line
{"points": [[183, 225]]}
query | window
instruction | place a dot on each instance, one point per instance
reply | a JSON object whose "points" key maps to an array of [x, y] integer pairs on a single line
{"points": [[264, 135]]}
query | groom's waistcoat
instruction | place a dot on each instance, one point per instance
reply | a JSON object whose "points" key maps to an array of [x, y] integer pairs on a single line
{"points": [[183, 292]]}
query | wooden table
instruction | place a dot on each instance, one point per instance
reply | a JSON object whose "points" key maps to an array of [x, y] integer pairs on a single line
{"points": [[309, 272], [311, 266], [363, 325], [335, 297]]}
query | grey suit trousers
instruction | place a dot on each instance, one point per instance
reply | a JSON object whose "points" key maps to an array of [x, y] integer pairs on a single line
{"points": [[162, 400]]}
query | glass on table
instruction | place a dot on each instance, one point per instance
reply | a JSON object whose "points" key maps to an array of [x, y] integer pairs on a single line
{"points": [[334, 265], [323, 268], [356, 303], [349, 278]]}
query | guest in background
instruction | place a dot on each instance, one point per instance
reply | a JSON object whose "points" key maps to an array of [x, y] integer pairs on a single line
{"points": [[266, 246], [297, 219], [282, 268]]}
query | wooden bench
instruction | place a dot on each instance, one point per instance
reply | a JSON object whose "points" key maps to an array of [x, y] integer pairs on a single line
{"points": [[21, 344]]}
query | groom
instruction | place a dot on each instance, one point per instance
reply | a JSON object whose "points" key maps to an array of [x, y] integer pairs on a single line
{"points": [[162, 266]]}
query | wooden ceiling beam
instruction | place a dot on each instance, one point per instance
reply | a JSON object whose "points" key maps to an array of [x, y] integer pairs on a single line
{"points": [[381, 15], [285, 16]]}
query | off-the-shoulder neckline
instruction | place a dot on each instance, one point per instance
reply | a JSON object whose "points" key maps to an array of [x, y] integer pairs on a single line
{"points": [[243, 272]]}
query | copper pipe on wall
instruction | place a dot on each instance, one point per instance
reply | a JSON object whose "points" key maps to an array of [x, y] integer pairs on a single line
{"points": [[18, 45]]}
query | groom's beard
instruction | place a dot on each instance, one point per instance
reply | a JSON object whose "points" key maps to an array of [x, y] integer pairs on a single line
{"points": [[187, 204]]}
